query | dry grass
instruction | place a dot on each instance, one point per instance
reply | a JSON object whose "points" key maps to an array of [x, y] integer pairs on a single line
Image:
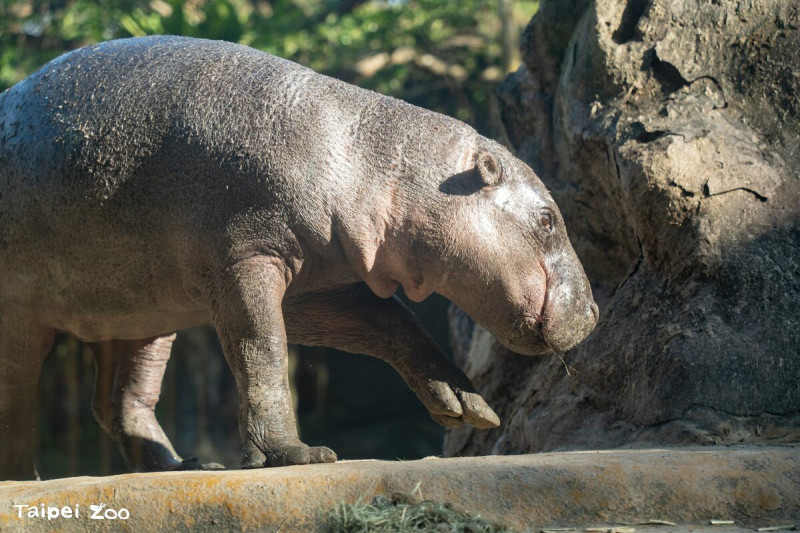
{"points": [[383, 515]]}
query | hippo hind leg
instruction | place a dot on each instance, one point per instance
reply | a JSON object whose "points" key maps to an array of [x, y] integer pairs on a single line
{"points": [[23, 347], [127, 388]]}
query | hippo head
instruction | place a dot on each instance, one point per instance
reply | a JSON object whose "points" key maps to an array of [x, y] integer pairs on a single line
{"points": [[495, 244]]}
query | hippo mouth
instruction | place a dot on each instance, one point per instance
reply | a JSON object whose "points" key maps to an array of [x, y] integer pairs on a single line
{"points": [[527, 338]]}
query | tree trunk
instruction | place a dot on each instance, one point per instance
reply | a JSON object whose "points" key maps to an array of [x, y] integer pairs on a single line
{"points": [[668, 134]]}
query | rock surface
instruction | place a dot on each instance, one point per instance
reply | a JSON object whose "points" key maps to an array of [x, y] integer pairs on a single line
{"points": [[668, 133], [755, 486]]}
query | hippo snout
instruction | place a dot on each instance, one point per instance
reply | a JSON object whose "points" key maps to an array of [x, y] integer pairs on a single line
{"points": [[548, 334], [569, 328]]}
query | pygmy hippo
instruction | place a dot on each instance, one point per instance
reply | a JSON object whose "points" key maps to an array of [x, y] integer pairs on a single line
{"points": [[151, 184]]}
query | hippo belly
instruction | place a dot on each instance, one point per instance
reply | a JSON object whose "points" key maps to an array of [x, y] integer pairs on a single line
{"points": [[101, 290]]}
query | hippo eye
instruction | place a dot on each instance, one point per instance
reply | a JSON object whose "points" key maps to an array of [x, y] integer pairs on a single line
{"points": [[546, 221]]}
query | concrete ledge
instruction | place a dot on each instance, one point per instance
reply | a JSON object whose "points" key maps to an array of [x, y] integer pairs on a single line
{"points": [[755, 486]]}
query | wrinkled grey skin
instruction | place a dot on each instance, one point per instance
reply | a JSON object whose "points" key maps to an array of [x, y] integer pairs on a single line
{"points": [[157, 183]]}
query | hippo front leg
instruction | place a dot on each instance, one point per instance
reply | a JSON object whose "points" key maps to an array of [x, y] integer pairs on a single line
{"points": [[353, 319], [247, 314]]}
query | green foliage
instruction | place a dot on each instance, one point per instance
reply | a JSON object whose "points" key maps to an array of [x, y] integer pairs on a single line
{"points": [[382, 515], [443, 55]]}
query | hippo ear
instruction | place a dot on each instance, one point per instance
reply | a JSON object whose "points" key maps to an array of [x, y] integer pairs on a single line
{"points": [[489, 168]]}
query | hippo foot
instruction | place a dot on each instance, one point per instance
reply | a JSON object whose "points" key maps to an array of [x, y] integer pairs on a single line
{"points": [[453, 407], [292, 455], [193, 463]]}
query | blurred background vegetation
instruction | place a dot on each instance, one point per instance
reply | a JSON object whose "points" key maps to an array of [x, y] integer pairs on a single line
{"points": [[443, 55]]}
